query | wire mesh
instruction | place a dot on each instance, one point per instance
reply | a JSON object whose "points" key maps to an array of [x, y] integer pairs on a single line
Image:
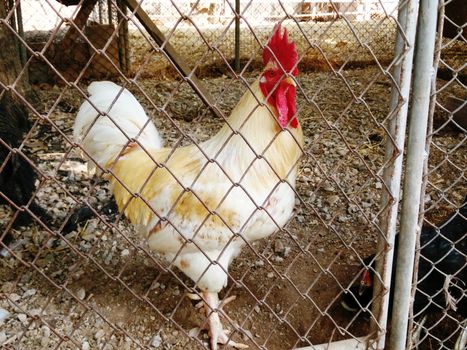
{"points": [[441, 286], [77, 274]]}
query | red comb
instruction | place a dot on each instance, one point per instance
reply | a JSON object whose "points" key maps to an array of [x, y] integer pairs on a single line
{"points": [[284, 51]]}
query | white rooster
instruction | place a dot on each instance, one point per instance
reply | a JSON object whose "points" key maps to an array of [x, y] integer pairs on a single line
{"points": [[200, 204]]}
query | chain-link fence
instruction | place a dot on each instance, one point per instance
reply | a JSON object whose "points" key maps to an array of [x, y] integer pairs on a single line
{"points": [[441, 277], [203, 32], [278, 187]]}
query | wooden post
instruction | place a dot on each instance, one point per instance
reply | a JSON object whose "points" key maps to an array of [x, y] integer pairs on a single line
{"points": [[10, 60], [109, 14], [79, 21], [237, 36], [183, 68], [123, 47], [100, 6], [22, 49]]}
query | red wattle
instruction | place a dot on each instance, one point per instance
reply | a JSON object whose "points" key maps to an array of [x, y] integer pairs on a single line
{"points": [[292, 107], [283, 98], [285, 105], [282, 105]]}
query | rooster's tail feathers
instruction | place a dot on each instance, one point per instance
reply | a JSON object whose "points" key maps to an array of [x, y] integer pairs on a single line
{"points": [[104, 136]]}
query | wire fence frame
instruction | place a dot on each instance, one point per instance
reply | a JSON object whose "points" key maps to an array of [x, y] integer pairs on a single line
{"points": [[447, 24], [401, 93], [414, 170]]}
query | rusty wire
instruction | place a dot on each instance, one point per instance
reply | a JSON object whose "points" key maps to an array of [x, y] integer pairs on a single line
{"points": [[436, 198], [283, 311]]}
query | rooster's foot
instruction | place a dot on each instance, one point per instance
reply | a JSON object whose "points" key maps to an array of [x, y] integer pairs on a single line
{"points": [[196, 297], [213, 308]]}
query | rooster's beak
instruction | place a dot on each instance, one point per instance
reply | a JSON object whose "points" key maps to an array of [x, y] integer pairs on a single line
{"points": [[290, 81]]}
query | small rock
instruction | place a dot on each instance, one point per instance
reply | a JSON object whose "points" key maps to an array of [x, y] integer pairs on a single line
{"points": [[427, 199], [257, 309], [34, 312], [342, 151], [29, 292], [85, 345], [362, 220], [156, 341], [108, 258], [46, 331], [194, 332], [99, 334], [270, 275], [22, 317], [279, 247], [89, 232], [14, 297], [352, 209], [4, 314], [342, 218], [331, 200], [259, 263], [81, 294], [25, 278], [247, 335], [125, 252], [2, 337], [279, 259], [44, 341]]}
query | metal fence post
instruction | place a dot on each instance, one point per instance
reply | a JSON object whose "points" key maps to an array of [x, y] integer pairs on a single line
{"points": [[237, 36], [407, 18], [414, 170]]}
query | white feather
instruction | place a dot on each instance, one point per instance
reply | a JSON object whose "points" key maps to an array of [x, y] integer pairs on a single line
{"points": [[108, 119]]}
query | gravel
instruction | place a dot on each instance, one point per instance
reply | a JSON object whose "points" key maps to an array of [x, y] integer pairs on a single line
{"points": [[336, 213]]}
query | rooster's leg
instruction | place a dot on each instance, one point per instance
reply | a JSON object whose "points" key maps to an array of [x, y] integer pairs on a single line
{"points": [[216, 332]]}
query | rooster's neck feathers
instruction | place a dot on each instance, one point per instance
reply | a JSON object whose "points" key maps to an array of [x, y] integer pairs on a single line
{"points": [[253, 130]]}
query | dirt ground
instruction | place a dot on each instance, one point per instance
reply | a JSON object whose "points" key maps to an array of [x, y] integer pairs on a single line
{"points": [[100, 288]]}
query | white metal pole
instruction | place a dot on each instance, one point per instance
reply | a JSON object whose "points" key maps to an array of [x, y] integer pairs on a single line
{"points": [[402, 72], [424, 51]]}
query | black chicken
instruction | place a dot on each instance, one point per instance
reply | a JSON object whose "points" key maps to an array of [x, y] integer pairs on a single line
{"points": [[442, 272], [443, 258], [17, 176]]}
